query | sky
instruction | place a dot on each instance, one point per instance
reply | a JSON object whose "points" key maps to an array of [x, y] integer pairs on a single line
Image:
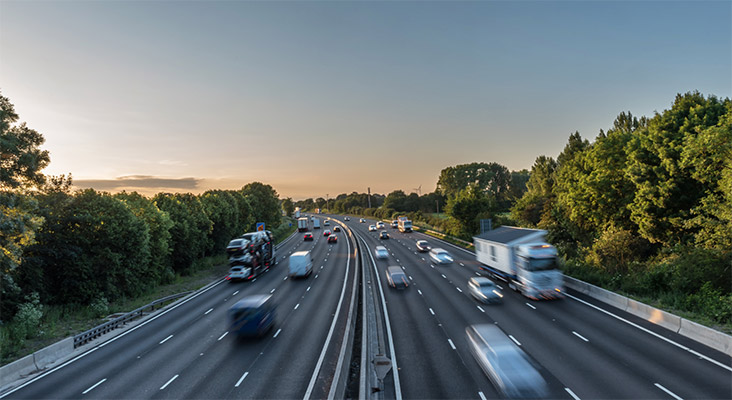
{"points": [[318, 98]]}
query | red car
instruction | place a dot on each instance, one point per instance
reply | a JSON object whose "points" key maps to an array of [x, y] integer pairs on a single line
{"points": [[308, 236], [332, 239]]}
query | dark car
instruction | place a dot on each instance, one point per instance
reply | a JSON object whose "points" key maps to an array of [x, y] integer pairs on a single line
{"points": [[252, 316], [395, 224], [332, 239], [396, 277], [236, 247], [383, 235], [423, 246], [336, 229], [308, 236], [326, 232], [346, 218]]}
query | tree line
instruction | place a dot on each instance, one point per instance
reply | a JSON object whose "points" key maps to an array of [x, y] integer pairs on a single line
{"points": [[59, 246]]}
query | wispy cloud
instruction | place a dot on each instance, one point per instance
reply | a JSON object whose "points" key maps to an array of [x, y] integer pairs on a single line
{"points": [[138, 182]]}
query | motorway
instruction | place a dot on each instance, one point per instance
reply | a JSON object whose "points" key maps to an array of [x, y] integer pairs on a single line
{"points": [[186, 351], [583, 348]]}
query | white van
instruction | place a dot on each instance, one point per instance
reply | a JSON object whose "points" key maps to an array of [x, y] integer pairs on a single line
{"points": [[301, 264]]}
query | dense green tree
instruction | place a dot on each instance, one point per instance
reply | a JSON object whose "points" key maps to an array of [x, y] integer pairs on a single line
{"points": [[536, 201], [265, 203], [491, 178], [517, 186], [468, 207], [158, 224], [89, 247], [222, 209], [396, 200], [21, 159], [288, 206], [191, 227], [667, 188], [245, 221]]}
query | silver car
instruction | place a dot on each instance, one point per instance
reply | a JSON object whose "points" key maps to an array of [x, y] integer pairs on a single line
{"points": [[505, 364], [381, 252], [440, 256], [484, 290]]}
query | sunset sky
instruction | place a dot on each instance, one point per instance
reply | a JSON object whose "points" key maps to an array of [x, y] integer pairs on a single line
{"points": [[319, 98]]}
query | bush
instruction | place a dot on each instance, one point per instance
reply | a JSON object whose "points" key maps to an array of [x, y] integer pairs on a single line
{"points": [[711, 303], [99, 307]]}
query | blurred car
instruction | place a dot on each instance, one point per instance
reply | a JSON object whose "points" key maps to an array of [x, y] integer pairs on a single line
{"points": [[236, 247], [396, 277], [484, 290], [239, 272], [440, 256], [381, 252], [423, 246], [252, 316], [361, 220], [372, 228], [510, 370], [380, 225], [395, 224], [308, 236], [383, 235], [336, 228], [333, 239], [346, 218], [327, 232], [326, 223]]}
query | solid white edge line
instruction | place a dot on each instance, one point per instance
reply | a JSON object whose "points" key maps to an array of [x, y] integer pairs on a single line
{"points": [[314, 377], [670, 393], [134, 328], [168, 382], [571, 393], [166, 339], [514, 340], [451, 344], [394, 368], [93, 386], [241, 379], [715, 362]]}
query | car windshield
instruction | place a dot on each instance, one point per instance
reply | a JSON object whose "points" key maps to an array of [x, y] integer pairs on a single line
{"points": [[541, 264], [236, 243]]}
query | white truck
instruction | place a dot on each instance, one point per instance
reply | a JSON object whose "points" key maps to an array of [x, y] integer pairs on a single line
{"points": [[404, 225], [302, 224], [316, 223], [523, 259]]}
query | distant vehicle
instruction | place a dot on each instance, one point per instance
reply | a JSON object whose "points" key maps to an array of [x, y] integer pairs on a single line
{"points": [[333, 239], [308, 236], [440, 256], [395, 224], [326, 223], [510, 370], [396, 277], [372, 228], [361, 220], [316, 223], [405, 225], [381, 252], [252, 316], [522, 258], [317, 211], [327, 232], [336, 228], [423, 246], [302, 224], [383, 235], [297, 212], [346, 218], [380, 225], [484, 290], [301, 264]]}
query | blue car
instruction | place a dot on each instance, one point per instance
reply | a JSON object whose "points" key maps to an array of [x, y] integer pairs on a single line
{"points": [[252, 316]]}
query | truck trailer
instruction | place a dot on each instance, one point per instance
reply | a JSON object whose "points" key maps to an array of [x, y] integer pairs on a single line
{"points": [[523, 259], [254, 257], [302, 224]]}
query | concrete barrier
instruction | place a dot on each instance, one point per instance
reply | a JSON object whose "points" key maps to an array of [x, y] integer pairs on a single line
{"points": [[708, 336], [52, 353], [653, 314], [17, 369]]}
